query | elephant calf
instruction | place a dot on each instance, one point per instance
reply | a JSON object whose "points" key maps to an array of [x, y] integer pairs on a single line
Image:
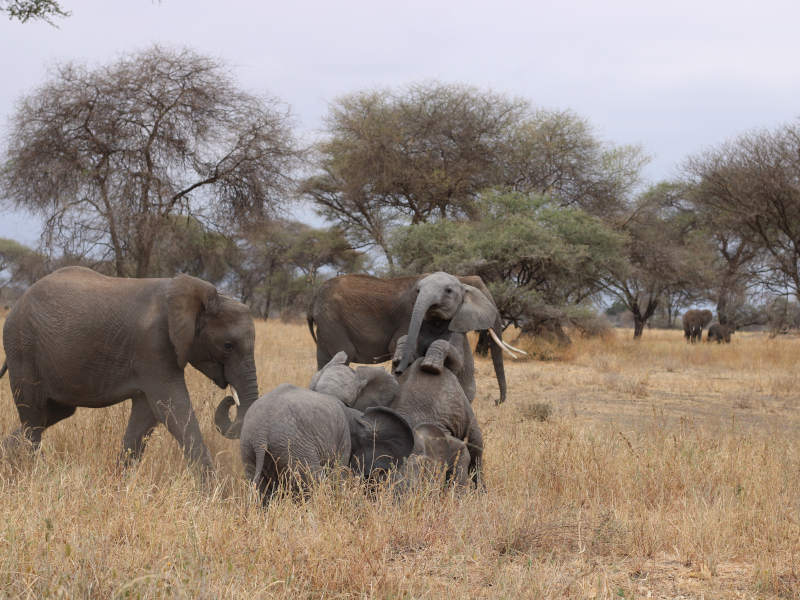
{"points": [[430, 393], [310, 429], [720, 333]]}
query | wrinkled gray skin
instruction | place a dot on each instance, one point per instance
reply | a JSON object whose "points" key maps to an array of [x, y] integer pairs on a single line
{"points": [[720, 333], [365, 316], [693, 323], [445, 309], [429, 398], [78, 338], [311, 429], [435, 448]]}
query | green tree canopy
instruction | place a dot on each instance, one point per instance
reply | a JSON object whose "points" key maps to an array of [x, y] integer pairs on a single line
{"points": [[539, 259]]}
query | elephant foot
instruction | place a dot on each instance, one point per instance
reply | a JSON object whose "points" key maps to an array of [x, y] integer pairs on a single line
{"points": [[434, 359]]}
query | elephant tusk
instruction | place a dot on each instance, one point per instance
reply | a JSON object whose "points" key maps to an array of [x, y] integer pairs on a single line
{"points": [[515, 349], [507, 347], [235, 395]]}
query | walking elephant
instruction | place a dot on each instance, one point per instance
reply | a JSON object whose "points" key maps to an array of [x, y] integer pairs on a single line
{"points": [[78, 338], [720, 333], [364, 316], [693, 323]]}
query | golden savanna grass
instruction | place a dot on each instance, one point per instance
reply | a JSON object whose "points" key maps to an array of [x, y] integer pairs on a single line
{"points": [[662, 471]]}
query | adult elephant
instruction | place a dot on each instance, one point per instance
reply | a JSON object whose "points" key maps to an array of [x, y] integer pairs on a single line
{"points": [[364, 316], [693, 323], [78, 338]]}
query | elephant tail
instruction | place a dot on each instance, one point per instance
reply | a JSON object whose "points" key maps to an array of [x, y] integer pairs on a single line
{"points": [[258, 474], [3, 369]]}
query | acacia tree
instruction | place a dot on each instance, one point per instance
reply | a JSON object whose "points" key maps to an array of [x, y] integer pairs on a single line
{"points": [[752, 186], [426, 153], [665, 251], [27, 10], [556, 153], [109, 155], [541, 261], [408, 157]]}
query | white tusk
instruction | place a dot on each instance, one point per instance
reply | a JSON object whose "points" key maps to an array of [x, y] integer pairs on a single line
{"points": [[501, 344], [510, 347], [235, 395]]}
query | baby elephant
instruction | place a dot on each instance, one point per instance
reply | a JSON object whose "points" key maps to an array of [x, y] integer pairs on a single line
{"points": [[720, 333], [434, 450], [311, 429]]}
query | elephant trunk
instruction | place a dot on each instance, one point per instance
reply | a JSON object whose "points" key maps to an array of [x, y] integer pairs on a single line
{"points": [[424, 301], [247, 388], [497, 360]]}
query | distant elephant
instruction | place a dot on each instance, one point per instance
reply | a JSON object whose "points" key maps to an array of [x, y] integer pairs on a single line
{"points": [[693, 322], [720, 333], [78, 338], [426, 397], [294, 428], [364, 316]]}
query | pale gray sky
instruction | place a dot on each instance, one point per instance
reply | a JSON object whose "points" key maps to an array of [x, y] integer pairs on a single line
{"points": [[675, 77]]}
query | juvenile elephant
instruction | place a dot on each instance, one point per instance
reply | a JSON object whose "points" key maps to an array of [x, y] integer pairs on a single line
{"points": [[364, 316], [693, 323], [720, 333], [426, 397], [311, 429], [78, 338], [435, 448]]}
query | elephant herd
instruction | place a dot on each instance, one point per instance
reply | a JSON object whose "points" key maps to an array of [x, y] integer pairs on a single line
{"points": [[695, 320], [79, 338]]}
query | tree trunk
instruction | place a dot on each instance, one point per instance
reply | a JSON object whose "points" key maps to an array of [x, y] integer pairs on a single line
{"points": [[638, 326]]}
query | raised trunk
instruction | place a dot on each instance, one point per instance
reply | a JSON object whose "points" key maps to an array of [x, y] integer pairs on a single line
{"points": [[247, 388], [423, 302]]}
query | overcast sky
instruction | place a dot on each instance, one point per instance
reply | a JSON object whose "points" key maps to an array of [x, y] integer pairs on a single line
{"points": [[675, 77]]}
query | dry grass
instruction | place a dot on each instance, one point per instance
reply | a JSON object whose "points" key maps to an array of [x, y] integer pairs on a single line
{"points": [[664, 471]]}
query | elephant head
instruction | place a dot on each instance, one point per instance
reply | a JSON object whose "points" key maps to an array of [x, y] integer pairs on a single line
{"points": [[216, 335], [442, 297], [435, 448], [360, 389], [379, 440], [337, 379]]}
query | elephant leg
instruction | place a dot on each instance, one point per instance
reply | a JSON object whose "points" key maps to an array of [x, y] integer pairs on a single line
{"points": [[433, 362], [140, 425], [475, 447], [36, 413], [170, 404]]}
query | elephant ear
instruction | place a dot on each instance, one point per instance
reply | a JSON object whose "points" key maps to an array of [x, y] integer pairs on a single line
{"points": [[339, 359], [187, 298], [379, 439], [476, 312], [337, 379], [380, 388]]}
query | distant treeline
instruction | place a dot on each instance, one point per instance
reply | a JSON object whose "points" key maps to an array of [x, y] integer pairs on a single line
{"points": [[159, 163]]}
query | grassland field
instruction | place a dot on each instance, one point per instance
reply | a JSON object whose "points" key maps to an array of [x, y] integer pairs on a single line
{"points": [[662, 470]]}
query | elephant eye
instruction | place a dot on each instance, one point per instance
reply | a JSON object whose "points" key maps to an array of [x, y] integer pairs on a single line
{"points": [[228, 345]]}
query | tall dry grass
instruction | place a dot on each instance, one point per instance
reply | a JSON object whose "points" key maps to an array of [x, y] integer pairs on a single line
{"points": [[663, 471]]}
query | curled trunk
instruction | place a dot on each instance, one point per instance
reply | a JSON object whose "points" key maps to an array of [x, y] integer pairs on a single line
{"points": [[247, 388]]}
